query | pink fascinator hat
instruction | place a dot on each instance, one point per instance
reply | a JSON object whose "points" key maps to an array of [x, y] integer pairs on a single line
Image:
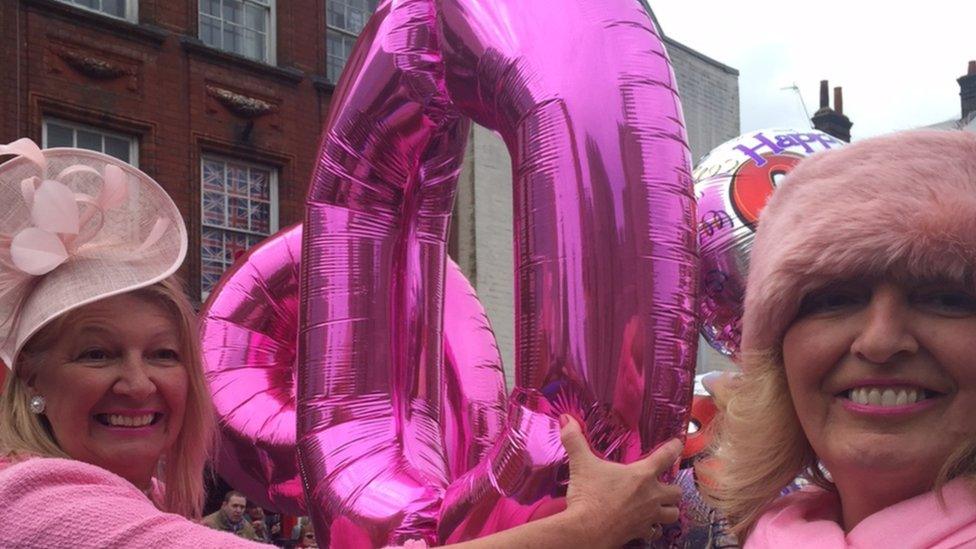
{"points": [[76, 226]]}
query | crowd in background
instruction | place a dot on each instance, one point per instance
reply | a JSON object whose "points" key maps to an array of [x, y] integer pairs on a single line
{"points": [[247, 519]]}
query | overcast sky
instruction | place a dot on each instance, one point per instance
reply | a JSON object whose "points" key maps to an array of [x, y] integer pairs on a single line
{"points": [[898, 66]]}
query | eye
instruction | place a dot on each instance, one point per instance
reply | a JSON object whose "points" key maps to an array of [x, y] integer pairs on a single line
{"points": [[94, 354], [946, 301], [832, 300], [166, 354]]}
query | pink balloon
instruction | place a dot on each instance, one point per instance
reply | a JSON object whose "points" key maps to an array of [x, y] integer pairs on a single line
{"points": [[249, 337], [583, 95], [248, 332]]}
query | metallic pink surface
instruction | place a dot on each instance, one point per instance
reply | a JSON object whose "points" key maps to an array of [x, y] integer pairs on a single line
{"points": [[249, 334], [583, 94]]}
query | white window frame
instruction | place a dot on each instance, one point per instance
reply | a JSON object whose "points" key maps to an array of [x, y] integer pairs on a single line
{"points": [[273, 204], [132, 139], [131, 10], [343, 32], [270, 46]]}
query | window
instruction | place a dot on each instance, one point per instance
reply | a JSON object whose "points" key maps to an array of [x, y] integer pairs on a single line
{"points": [[121, 9], [58, 133], [345, 19], [239, 209], [244, 27]]}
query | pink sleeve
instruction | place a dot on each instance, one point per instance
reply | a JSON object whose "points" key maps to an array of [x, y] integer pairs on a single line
{"points": [[47, 502]]}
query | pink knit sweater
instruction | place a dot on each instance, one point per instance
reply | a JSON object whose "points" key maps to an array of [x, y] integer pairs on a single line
{"points": [[48, 502]]}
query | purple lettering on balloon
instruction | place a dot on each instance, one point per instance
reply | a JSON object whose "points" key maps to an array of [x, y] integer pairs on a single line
{"points": [[785, 141], [753, 152]]}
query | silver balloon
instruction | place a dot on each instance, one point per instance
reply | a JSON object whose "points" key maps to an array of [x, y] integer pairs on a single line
{"points": [[732, 185]]}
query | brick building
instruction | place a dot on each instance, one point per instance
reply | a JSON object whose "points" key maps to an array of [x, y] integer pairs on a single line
{"points": [[221, 101]]}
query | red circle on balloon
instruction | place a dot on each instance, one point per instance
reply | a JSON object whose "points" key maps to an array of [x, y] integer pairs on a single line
{"points": [[752, 184]]}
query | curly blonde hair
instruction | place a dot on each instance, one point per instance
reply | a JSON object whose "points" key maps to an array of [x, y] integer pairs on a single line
{"points": [[23, 433]]}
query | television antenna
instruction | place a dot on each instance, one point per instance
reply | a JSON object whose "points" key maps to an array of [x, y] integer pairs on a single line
{"points": [[803, 104]]}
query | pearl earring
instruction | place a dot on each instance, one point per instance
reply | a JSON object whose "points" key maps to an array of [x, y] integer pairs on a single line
{"points": [[37, 403]]}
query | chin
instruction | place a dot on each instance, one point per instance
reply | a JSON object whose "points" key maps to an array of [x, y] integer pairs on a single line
{"points": [[886, 454]]}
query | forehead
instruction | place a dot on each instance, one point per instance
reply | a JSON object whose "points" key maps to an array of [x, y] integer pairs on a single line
{"points": [[126, 312], [236, 500]]}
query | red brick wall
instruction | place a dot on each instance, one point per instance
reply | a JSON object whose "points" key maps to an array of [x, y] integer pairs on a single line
{"points": [[157, 81]]}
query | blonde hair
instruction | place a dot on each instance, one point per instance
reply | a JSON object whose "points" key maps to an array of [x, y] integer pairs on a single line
{"points": [[762, 448], [23, 433]]}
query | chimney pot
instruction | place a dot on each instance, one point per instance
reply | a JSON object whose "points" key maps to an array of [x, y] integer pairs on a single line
{"points": [[832, 121], [967, 91]]}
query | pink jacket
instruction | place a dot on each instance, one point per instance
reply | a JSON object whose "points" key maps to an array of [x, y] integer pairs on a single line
{"points": [[808, 519], [48, 502]]}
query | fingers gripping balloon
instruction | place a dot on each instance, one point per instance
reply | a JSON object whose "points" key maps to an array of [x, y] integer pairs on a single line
{"points": [[584, 97]]}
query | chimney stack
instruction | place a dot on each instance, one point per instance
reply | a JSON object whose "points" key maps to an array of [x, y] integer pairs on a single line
{"points": [[967, 91], [833, 121]]}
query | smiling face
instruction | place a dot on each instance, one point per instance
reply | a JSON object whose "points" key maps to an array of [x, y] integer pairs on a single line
{"points": [[115, 385], [882, 378]]}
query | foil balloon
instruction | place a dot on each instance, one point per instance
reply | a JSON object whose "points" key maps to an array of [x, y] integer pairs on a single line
{"points": [[249, 335], [583, 95], [732, 184]]}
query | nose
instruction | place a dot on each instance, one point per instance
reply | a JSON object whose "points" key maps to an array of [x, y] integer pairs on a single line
{"points": [[887, 331], [134, 379]]}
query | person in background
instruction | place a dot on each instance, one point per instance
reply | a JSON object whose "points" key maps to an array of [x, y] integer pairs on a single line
{"points": [[306, 536], [231, 517], [255, 514], [296, 532]]}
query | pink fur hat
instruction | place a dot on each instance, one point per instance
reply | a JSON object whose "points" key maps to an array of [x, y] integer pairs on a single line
{"points": [[903, 203]]}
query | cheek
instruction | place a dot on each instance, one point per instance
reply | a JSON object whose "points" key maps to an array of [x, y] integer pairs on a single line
{"points": [[802, 357], [175, 386], [810, 351]]}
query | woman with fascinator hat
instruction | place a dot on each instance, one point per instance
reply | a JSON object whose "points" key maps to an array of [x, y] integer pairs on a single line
{"points": [[858, 362], [107, 408]]}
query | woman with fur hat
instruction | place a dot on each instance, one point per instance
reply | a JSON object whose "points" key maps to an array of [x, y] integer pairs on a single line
{"points": [[859, 353], [107, 395]]}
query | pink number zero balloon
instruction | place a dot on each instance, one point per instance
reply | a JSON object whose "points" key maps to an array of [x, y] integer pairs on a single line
{"points": [[249, 334], [583, 94]]}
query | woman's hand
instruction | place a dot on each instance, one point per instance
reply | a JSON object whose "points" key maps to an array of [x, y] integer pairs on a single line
{"points": [[618, 502]]}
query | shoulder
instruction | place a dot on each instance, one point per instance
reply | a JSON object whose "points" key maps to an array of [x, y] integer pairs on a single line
{"points": [[51, 502], [34, 477], [211, 520]]}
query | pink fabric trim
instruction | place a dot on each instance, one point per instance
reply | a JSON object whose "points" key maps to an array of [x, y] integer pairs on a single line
{"points": [[810, 519], [48, 502]]}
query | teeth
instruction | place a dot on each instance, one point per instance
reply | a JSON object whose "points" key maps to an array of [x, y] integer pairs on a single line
{"points": [[885, 396], [118, 420]]}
